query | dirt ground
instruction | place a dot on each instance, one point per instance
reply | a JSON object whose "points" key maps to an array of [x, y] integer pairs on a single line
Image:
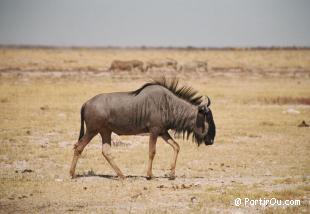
{"points": [[258, 100]]}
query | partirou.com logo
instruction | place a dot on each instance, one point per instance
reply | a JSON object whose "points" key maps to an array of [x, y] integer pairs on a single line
{"points": [[247, 202]]}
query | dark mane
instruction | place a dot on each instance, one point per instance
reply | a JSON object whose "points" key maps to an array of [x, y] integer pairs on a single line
{"points": [[185, 92]]}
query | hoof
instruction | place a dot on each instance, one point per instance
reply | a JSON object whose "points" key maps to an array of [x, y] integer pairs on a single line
{"points": [[171, 177], [72, 174], [149, 178]]}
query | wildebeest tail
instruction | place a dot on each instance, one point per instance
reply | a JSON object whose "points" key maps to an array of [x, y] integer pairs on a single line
{"points": [[82, 122]]}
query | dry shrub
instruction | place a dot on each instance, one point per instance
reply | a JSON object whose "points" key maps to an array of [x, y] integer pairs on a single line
{"points": [[285, 100], [267, 123]]}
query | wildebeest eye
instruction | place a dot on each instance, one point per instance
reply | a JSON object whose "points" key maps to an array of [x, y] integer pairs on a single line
{"points": [[202, 109]]}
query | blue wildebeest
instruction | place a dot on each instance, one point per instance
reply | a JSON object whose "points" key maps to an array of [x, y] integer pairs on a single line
{"points": [[154, 108]]}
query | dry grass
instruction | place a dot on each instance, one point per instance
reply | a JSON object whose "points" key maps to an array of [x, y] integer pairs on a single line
{"points": [[286, 100], [100, 59], [259, 150]]}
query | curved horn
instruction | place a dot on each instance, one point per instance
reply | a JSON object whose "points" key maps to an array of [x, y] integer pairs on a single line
{"points": [[209, 102]]}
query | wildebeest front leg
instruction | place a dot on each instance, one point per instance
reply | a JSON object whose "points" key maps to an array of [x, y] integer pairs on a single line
{"points": [[176, 149], [106, 152], [152, 152]]}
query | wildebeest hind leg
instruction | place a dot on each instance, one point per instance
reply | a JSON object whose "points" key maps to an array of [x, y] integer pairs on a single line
{"points": [[106, 152], [78, 149], [176, 149]]}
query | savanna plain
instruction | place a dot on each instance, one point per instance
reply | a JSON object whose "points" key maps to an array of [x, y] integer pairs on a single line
{"points": [[260, 99]]}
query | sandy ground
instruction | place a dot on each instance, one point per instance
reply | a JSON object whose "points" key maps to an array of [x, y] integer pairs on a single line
{"points": [[260, 152]]}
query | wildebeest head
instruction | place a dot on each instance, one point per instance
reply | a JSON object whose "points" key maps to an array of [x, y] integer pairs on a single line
{"points": [[205, 129]]}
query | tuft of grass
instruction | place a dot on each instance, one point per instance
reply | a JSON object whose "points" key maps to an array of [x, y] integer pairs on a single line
{"points": [[286, 210], [287, 180]]}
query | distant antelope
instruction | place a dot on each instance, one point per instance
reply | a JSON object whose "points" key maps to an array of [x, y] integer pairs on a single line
{"points": [[194, 66], [154, 108], [161, 64], [118, 65]]}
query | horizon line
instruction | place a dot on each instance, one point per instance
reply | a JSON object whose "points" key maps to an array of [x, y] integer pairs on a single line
{"points": [[144, 47]]}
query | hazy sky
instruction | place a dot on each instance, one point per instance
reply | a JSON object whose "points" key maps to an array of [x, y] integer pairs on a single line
{"points": [[208, 23]]}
